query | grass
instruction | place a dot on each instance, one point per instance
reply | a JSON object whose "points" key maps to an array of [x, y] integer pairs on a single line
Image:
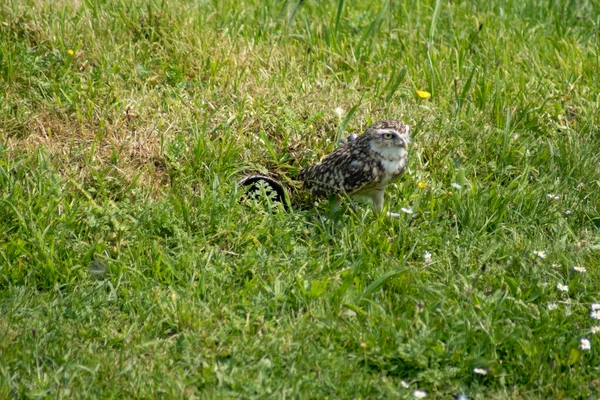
{"points": [[128, 268]]}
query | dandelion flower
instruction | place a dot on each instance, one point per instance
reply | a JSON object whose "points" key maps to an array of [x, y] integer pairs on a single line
{"points": [[421, 185], [562, 287], [580, 269], [456, 186], [553, 196], [585, 344], [423, 94], [540, 253], [340, 111], [595, 329], [406, 210], [427, 257], [404, 384], [552, 306], [595, 314], [71, 52], [480, 371], [420, 394]]}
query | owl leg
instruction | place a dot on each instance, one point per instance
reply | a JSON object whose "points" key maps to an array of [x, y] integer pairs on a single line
{"points": [[377, 197], [334, 204]]}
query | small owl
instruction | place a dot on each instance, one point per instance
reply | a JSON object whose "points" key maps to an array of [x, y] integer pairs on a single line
{"points": [[362, 168]]}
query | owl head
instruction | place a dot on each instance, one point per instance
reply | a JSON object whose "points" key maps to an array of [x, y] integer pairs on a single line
{"points": [[390, 137]]}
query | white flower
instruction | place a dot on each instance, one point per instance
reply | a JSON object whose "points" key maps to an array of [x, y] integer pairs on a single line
{"points": [[456, 186], [585, 344], [580, 269], [595, 314], [552, 306], [562, 287], [406, 210], [555, 265], [568, 212], [340, 112], [595, 329], [480, 371], [427, 257], [420, 394], [595, 306], [404, 384], [540, 253], [553, 196], [462, 397]]}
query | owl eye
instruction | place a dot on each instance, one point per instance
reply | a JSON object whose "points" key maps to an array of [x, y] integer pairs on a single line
{"points": [[387, 136]]}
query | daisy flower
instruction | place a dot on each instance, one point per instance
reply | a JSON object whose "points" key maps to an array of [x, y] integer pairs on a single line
{"points": [[480, 371], [552, 306], [585, 344], [553, 196], [595, 329], [420, 394], [595, 314], [568, 212], [427, 257], [595, 306], [580, 269], [456, 186], [540, 253], [404, 384], [562, 287]]}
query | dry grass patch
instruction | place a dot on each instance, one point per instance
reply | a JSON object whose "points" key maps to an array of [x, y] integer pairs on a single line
{"points": [[127, 149]]}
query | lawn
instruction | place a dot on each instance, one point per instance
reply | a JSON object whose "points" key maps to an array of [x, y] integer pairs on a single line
{"points": [[129, 268]]}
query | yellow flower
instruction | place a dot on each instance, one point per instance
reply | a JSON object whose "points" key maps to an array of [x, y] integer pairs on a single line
{"points": [[421, 185], [423, 94], [71, 52]]}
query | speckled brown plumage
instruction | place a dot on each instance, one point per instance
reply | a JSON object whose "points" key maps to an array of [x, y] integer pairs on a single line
{"points": [[363, 167]]}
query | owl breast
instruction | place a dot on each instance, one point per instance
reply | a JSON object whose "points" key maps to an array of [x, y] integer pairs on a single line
{"points": [[392, 169]]}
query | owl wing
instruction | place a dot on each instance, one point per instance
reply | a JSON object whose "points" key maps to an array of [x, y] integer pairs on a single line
{"points": [[347, 170]]}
